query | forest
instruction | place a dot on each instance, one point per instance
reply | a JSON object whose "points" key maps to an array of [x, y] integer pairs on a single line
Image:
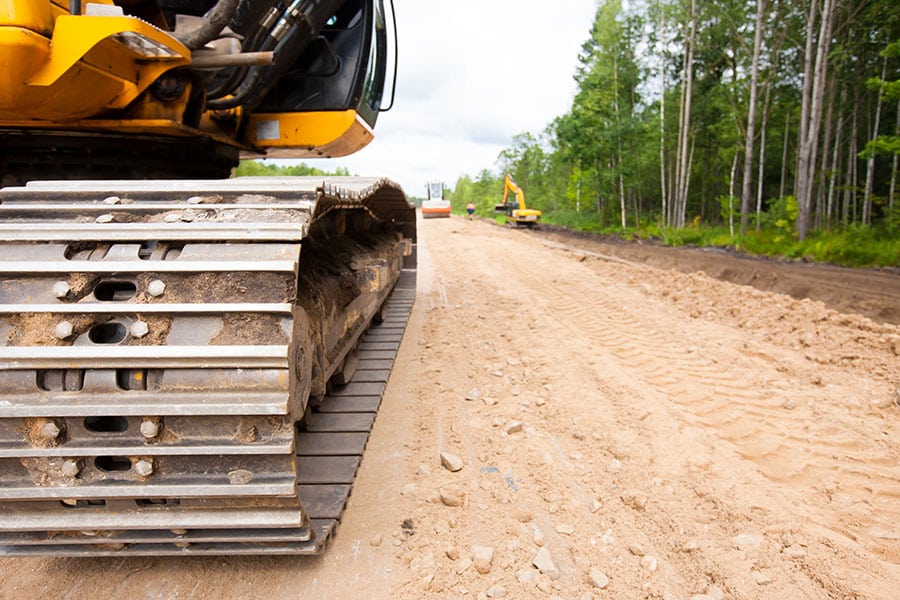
{"points": [[769, 126]]}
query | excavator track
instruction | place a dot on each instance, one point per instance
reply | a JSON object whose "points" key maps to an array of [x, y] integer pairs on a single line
{"points": [[193, 367]]}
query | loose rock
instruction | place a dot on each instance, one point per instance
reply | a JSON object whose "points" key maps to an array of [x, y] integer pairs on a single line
{"points": [[451, 462], [634, 501], [525, 576], [473, 395], [761, 578], [482, 557], [649, 563], [497, 591], [715, 592], [544, 563], [598, 578], [794, 552], [523, 516], [450, 498], [513, 427], [747, 541], [463, 565]]}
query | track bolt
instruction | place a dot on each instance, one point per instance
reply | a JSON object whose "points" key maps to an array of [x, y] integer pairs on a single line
{"points": [[143, 467], [179, 531], [139, 329], [71, 468], [61, 289], [149, 429], [156, 288], [63, 330], [50, 430]]}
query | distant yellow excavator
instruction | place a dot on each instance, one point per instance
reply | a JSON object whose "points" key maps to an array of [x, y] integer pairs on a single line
{"points": [[516, 210]]}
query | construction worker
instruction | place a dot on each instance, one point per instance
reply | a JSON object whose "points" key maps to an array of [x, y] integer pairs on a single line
{"points": [[470, 208]]}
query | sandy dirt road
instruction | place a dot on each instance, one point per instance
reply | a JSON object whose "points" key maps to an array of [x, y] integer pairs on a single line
{"points": [[637, 431]]}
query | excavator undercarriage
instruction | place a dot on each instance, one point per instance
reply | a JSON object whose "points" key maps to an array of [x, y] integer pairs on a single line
{"points": [[193, 367]]}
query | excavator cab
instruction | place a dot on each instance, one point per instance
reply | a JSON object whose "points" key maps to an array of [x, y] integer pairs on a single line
{"points": [[339, 77]]}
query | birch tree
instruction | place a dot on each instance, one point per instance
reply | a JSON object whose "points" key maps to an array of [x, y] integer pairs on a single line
{"points": [[815, 71], [747, 186], [683, 152]]}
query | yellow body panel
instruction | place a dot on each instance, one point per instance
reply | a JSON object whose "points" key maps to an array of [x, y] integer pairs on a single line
{"points": [[90, 65], [309, 134], [34, 16]]}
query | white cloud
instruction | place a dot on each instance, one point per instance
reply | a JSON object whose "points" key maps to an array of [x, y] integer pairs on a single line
{"points": [[472, 74]]}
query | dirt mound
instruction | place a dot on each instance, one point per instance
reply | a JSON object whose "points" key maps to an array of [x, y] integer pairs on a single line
{"points": [[874, 293]]}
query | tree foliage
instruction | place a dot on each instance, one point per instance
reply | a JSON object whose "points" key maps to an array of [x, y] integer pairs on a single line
{"points": [[663, 107], [258, 168]]}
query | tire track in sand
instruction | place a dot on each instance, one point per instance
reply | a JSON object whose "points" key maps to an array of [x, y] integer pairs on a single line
{"points": [[781, 425]]}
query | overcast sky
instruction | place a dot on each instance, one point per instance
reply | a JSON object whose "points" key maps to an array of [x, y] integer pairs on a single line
{"points": [[472, 74]]}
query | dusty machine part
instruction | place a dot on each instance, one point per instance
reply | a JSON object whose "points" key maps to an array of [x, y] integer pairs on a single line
{"points": [[201, 399]]}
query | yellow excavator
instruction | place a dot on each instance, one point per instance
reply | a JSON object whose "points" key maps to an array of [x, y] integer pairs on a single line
{"points": [[517, 212], [190, 363]]}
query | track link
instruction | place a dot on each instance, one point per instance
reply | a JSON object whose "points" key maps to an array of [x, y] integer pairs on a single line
{"points": [[157, 349]]}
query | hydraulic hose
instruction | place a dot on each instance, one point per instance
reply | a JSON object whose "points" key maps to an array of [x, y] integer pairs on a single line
{"points": [[214, 21], [300, 23]]}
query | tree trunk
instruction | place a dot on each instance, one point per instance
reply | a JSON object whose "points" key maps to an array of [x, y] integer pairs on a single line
{"points": [[731, 196], [684, 124], [848, 212], [835, 159], [662, 118], [747, 185], [870, 163], [826, 151], [762, 156], [784, 152], [618, 159], [894, 163], [802, 158], [810, 125]]}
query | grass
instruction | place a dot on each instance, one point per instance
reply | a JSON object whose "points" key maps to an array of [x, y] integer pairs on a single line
{"points": [[854, 246]]}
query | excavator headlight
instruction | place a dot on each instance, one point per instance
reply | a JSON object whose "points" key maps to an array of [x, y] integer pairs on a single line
{"points": [[144, 45]]}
